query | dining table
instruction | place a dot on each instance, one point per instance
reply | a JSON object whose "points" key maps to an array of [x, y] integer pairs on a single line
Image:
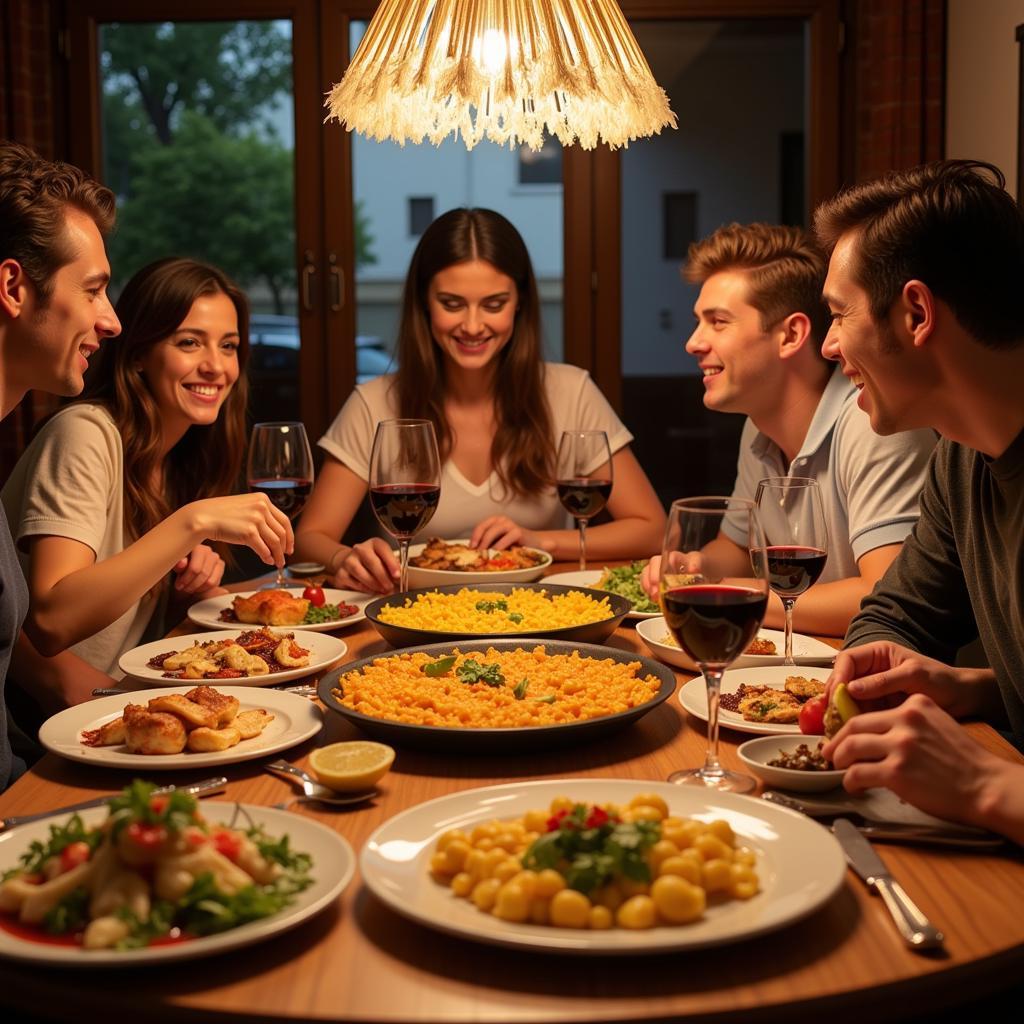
{"points": [[360, 961]]}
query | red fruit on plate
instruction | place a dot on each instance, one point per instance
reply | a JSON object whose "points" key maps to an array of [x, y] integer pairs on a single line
{"points": [[315, 596], [812, 716]]}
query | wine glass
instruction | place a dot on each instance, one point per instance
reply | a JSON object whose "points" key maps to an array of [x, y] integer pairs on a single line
{"points": [[281, 467], [712, 613], [584, 478], [793, 520], [405, 481]]}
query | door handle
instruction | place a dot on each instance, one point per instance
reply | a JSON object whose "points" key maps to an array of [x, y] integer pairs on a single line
{"points": [[306, 277], [337, 283]]}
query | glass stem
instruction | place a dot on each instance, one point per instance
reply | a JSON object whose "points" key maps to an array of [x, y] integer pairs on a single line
{"points": [[582, 524], [787, 604], [403, 561], [713, 682]]}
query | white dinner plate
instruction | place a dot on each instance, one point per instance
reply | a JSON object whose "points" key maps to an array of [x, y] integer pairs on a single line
{"points": [[420, 578], [589, 578], [295, 719], [333, 866], [694, 698], [324, 651], [207, 613], [799, 864], [805, 648]]}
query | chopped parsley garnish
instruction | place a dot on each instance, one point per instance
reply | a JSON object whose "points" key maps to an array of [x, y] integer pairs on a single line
{"points": [[439, 667], [61, 836], [471, 671], [520, 691], [501, 605]]}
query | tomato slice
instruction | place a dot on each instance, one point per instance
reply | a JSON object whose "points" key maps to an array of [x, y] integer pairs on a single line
{"points": [[74, 854]]}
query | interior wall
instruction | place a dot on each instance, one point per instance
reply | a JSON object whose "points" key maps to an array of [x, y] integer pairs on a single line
{"points": [[982, 82]]}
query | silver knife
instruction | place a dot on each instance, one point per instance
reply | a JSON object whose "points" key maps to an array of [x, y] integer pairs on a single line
{"points": [[205, 788], [917, 931]]}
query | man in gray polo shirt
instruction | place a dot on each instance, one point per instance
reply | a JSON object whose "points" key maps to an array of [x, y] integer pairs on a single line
{"points": [[760, 326]]}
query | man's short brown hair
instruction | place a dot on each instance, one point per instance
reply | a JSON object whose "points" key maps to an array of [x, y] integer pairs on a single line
{"points": [[950, 224], [785, 270], [34, 196]]}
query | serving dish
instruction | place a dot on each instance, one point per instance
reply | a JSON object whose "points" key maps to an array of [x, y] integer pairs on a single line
{"points": [[333, 867], [589, 632], [323, 650], [503, 740], [756, 754], [806, 650], [207, 613], [295, 719], [800, 865], [420, 578], [694, 698]]}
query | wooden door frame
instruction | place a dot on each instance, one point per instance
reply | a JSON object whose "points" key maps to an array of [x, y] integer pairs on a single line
{"points": [[83, 18]]}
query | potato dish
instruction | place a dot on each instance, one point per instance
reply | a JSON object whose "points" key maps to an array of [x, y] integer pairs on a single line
{"points": [[154, 871], [480, 612], [494, 689], [201, 720], [575, 865], [257, 652], [454, 557]]}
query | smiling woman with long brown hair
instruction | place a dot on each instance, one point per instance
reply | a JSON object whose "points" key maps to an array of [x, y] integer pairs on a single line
{"points": [[121, 487], [470, 361]]}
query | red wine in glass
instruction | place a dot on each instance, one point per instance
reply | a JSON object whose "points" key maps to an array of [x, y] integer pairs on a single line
{"points": [[289, 496], [584, 497], [714, 623], [792, 570], [404, 509]]}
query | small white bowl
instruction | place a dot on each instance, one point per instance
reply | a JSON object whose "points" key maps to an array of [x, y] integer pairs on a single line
{"points": [[756, 754]]}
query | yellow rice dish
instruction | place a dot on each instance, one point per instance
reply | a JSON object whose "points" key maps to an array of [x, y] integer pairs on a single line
{"points": [[495, 689], [487, 613]]}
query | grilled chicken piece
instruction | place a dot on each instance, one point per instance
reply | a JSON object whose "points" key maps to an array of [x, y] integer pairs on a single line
{"points": [[204, 740], [290, 654], [221, 704], [803, 688], [237, 657], [770, 706], [251, 723], [109, 735], [149, 732], [192, 714], [271, 608]]}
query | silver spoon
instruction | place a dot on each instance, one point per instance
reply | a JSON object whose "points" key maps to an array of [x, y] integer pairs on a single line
{"points": [[313, 791]]}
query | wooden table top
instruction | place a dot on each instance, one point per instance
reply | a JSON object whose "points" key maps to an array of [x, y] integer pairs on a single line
{"points": [[359, 961]]}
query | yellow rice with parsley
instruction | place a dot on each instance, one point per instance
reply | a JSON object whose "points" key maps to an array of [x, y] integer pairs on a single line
{"points": [[537, 688], [487, 613]]}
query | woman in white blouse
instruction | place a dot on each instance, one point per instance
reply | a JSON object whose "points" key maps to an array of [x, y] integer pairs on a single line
{"points": [[469, 360]]}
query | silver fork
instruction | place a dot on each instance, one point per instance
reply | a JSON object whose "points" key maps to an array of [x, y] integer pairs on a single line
{"points": [[313, 791]]}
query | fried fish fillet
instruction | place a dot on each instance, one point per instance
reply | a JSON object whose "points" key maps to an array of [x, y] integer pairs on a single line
{"points": [[761, 645], [192, 714], [152, 732], [109, 735], [221, 704], [803, 688], [203, 740], [251, 723], [770, 706]]}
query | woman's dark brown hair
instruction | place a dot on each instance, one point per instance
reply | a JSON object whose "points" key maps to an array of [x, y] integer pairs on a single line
{"points": [[207, 461], [523, 452]]}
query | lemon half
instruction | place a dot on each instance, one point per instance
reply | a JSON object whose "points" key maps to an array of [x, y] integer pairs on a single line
{"points": [[354, 765]]}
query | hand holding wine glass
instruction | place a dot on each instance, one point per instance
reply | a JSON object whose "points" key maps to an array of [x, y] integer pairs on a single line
{"points": [[281, 467], [584, 478], [405, 481], [793, 520], [712, 615]]}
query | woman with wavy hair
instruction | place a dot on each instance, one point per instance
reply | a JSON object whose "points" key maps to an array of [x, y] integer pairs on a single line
{"points": [[470, 361], [120, 489]]}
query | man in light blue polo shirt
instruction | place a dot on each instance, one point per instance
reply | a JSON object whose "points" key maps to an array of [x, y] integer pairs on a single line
{"points": [[760, 325]]}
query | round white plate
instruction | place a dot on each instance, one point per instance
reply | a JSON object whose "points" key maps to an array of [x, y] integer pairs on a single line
{"points": [[419, 578], [693, 695], [589, 578], [324, 651], [207, 613], [799, 864], [333, 866], [295, 719], [756, 754], [805, 648]]}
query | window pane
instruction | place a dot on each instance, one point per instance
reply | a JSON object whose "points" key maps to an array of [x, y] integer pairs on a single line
{"points": [[738, 88], [389, 179], [198, 145]]}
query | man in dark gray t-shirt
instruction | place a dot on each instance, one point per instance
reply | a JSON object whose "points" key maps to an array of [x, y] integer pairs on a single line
{"points": [[54, 312], [924, 268]]}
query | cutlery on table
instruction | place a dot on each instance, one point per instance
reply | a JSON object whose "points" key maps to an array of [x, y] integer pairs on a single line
{"points": [[313, 791], [963, 836], [205, 788], [917, 931]]}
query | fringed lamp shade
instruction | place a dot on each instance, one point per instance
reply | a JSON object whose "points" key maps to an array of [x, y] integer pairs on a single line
{"points": [[506, 70]]}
